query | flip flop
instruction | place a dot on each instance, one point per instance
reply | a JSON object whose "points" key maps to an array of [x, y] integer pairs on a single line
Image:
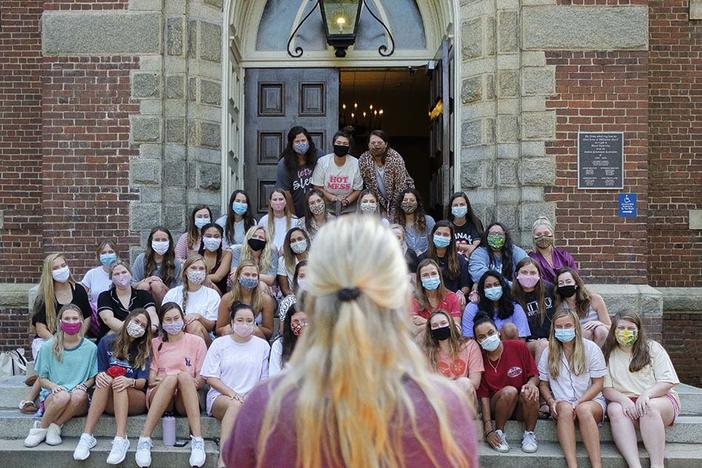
{"points": [[27, 407]]}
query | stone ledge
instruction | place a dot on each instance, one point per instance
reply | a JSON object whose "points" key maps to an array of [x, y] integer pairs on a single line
{"points": [[642, 298], [585, 28], [15, 295], [696, 9], [682, 300], [100, 33]]}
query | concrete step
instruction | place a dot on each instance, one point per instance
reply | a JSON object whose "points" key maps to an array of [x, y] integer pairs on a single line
{"points": [[15, 425], [14, 453], [550, 455]]}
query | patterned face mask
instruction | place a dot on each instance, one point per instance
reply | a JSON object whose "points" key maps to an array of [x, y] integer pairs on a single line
{"points": [[626, 337]]}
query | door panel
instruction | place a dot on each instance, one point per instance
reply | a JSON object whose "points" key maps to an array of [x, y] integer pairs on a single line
{"points": [[276, 100]]}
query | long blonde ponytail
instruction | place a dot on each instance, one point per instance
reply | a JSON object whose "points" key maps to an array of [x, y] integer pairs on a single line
{"points": [[351, 366]]}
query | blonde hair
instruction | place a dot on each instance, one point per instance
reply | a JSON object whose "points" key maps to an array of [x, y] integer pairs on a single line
{"points": [[542, 221], [256, 293], [266, 259], [59, 335], [288, 211], [47, 295], [347, 414], [194, 258], [576, 362]]}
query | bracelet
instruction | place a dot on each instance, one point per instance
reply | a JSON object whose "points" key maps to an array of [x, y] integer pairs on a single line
{"points": [[489, 432], [133, 383]]}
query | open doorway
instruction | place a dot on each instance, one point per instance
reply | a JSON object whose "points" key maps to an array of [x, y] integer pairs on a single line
{"points": [[395, 100]]}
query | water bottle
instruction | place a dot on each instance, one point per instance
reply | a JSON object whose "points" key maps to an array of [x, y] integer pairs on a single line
{"points": [[168, 428]]}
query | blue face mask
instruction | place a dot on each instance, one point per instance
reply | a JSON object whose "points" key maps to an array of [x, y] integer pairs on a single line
{"points": [[565, 335], [494, 294], [240, 208], [431, 283], [491, 343], [301, 148], [200, 222], [108, 259], [441, 242], [459, 211], [248, 282]]}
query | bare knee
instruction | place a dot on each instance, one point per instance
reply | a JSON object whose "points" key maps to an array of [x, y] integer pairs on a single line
{"points": [[565, 412], [509, 331], [615, 411], [584, 413], [195, 328], [185, 379], [59, 399], [508, 393], [600, 334], [78, 398]]}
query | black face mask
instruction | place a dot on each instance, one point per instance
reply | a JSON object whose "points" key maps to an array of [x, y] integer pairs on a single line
{"points": [[341, 150], [256, 244], [441, 334], [567, 291]]}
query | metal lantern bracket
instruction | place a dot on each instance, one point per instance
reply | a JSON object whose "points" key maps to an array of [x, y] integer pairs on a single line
{"points": [[383, 50]]}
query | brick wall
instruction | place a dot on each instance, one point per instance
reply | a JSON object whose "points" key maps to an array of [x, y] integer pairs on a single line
{"points": [[675, 164], [682, 341], [601, 91], [14, 330], [20, 139], [85, 191]]}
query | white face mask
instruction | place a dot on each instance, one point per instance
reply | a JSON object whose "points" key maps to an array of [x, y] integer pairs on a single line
{"points": [[61, 275], [212, 243], [299, 246], [135, 330], [196, 276], [160, 247], [200, 222], [369, 207]]}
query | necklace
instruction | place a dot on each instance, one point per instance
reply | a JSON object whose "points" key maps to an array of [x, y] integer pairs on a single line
{"points": [[494, 368]]}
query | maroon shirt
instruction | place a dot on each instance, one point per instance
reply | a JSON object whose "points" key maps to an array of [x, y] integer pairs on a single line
{"points": [[281, 450], [514, 368], [561, 258]]}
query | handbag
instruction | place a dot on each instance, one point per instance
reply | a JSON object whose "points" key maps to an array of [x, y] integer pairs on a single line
{"points": [[13, 363]]}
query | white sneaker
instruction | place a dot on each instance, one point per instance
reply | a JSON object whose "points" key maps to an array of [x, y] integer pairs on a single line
{"points": [[82, 451], [120, 445], [143, 452], [197, 451], [53, 434], [504, 446], [36, 435], [529, 444]]}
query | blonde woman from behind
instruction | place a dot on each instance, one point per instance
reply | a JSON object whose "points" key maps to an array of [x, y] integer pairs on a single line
{"points": [[358, 393]]}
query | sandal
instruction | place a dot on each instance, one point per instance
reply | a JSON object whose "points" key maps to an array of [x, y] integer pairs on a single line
{"points": [[544, 411], [28, 407]]}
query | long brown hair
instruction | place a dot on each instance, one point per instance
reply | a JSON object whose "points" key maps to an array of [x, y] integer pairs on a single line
{"points": [[193, 231], [431, 344], [168, 267], [136, 350], [289, 211], [420, 217], [518, 293], [454, 267], [419, 292], [582, 295], [256, 294], [161, 313], [640, 354], [194, 258]]}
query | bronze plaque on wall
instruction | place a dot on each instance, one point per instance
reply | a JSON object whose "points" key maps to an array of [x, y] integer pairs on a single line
{"points": [[600, 160]]}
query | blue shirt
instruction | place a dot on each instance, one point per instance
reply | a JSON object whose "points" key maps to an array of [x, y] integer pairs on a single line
{"points": [[518, 318], [480, 262], [77, 365], [107, 359], [417, 240]]}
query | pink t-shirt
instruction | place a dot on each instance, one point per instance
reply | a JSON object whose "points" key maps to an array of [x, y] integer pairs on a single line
{"points": [[469, 359], [449, 304], [185, 355]]}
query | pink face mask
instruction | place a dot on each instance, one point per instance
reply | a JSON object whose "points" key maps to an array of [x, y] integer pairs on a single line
{"points": [[71, 328], [122, 281], [528, 281], [278, 205]]}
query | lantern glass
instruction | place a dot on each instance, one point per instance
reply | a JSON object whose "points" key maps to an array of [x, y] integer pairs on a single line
{"points": [[340, 17]]}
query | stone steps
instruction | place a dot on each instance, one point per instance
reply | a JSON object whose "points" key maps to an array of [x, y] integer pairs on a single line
{"points": [[14, 453]]}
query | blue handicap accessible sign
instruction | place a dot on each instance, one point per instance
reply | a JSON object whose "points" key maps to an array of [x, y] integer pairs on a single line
{"points": [[627, 205]]}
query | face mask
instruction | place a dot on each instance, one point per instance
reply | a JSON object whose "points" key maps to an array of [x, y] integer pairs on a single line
{"points": [[122, 281], [195, 276], [441, 242], [301, 283], [135, 330], [459, 211], [409, 206], [61, 275], [494, 294], [626, 337], [528, 281], [317, 209], [377, 150], [212, 243], [299, 246], [256, 244], [341, 150], [244, 330], [247, 282], [108, 259], [72, 328], [301, 148], [199, 222], [173, 328], [442, 333], [567, 291], [496, 241], [240, 208], [278, 205], [491, 343], [431, 283], [543, 242], [369, 207], [298, 328], [565, 335], [160, 247]]}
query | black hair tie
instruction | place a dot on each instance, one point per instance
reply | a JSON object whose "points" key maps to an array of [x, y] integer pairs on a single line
{"points": [[348, 294]]}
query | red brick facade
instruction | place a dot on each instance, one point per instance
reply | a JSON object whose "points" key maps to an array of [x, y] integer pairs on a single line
{"points": [[682, 341]]}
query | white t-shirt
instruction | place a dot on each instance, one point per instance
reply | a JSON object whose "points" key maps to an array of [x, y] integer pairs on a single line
{"points": [[280, 226], [568, 386], [338, 180], [204, 301], [635, 383], [96, 280], [275, 363], [240, 366]]}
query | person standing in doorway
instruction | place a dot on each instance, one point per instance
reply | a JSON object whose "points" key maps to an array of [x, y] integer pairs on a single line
{"points": [[338, 177], [296, 165], [383, 172]]}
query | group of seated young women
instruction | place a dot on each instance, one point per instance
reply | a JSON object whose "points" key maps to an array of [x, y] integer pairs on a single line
{"points": [[520, 334]]}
